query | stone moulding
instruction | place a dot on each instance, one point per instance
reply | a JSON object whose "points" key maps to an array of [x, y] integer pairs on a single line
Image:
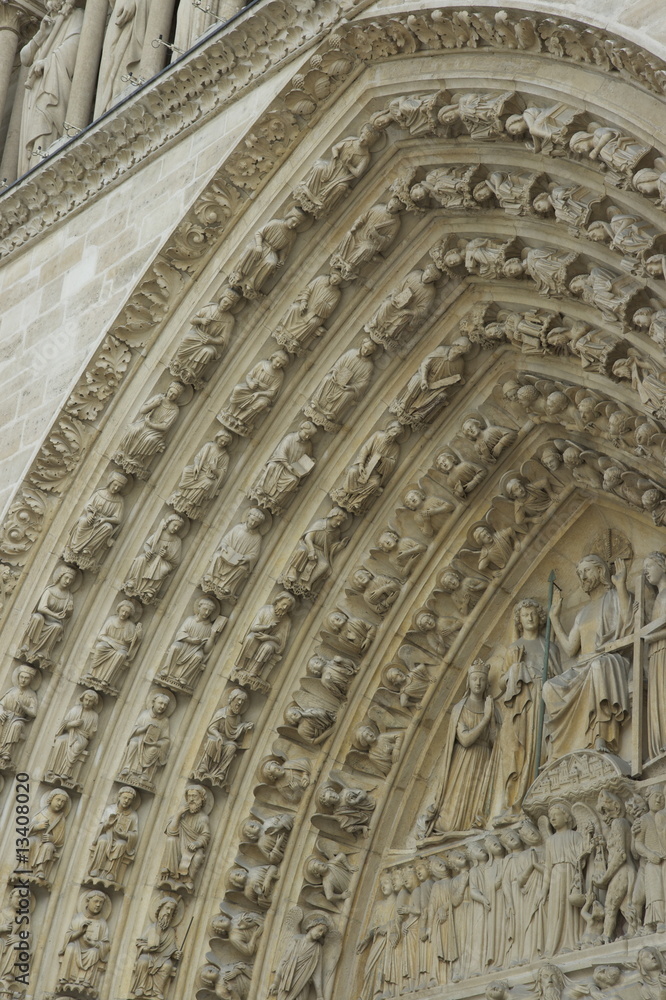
{"points": [[190, 92]]}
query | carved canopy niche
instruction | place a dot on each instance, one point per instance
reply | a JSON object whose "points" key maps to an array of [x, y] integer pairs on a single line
{"points": [[274, 586]]}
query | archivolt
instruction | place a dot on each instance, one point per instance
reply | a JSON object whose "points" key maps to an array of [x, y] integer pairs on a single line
{"points": [[608, 411]]}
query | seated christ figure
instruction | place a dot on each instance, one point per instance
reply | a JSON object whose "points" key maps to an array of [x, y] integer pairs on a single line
{"points": [[588, 703]]}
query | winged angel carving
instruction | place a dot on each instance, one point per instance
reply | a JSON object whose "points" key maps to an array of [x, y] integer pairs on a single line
{"points": [[309, 955]]}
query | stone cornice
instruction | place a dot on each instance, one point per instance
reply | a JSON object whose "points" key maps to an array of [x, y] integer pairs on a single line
{"points": [[262, 40]]}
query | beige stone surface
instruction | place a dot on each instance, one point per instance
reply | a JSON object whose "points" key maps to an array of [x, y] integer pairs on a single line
{"points": [[278, 697]]}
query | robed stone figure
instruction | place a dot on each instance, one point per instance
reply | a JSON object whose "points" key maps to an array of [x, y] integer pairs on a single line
{"points": [[587, 704]]}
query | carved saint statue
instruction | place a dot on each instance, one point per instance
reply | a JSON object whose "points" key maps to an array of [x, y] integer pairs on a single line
{"points": [[587, 704], [160, 557], [267, 252], [206, 340], [365, 478], [147, 435], [282, 474], [149, 743], [304, 319], [158, 953], [341, 387], [519, 703], [114, 649], [235, 557], [50, 57], [301, 968], [188, 835], [462, 801], [86, 949], [223, 741], [121, 54], [195, 640], [427, 390], [654, 570], [370, 235], [264, 642], [251, 398], [18, 707], [95, 530], [404, 308], [47, 622], [114, 846], [46, 835], [201, 481], [70, 746], [312, 562], [329, 180]]}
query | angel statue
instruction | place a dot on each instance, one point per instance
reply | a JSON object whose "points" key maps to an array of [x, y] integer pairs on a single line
{"points": [[306, 964]]}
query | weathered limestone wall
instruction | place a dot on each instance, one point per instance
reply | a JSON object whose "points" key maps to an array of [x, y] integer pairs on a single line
{"points": [[59, 294]]}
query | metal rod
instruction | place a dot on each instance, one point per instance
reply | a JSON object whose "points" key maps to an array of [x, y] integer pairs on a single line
{"points": [[544, 675]]}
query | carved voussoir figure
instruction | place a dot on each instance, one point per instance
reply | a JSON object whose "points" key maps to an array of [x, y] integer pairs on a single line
{"points": [[158, 952], [312, 562], [289, 777], [206, 340], [46, 836], [160, 557], [243, 930], [282, 474], [252, 398], [70, 746], [47, 622], [115, 647], [149, 743], [350, 808], [13, 936], [481, 115], [371, 234], [267, 252], [223, 741], [84, 955], [460, 475], [146, 437], [95, 530], [404, 308], [114, 846], [304, 319], [201, 481], [188, 835], [342, 386], [329, 180], [18, 707], [427, 390], [489, 440], [235, 558], [365, 478], [302, 971], [195, 640], [264, 643]]}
